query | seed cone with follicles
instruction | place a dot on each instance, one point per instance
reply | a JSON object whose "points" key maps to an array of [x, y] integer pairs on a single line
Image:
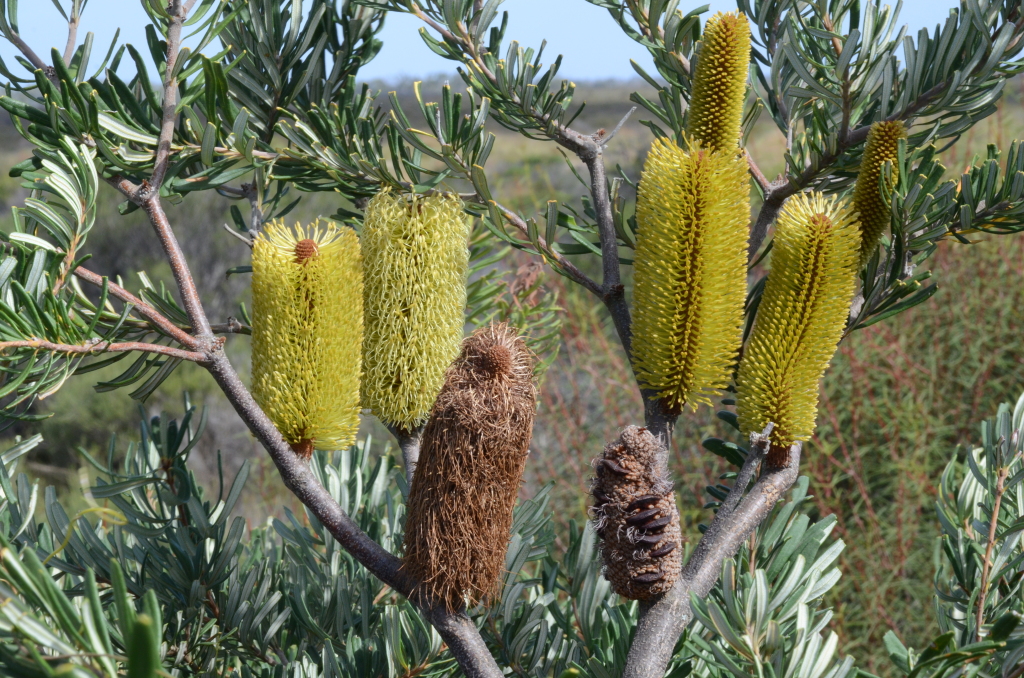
{"points": [[715, 117], [416, 260], [800, 320], [307, 331], [693, 209], [472, 456], [870, 199], [635, 516]]}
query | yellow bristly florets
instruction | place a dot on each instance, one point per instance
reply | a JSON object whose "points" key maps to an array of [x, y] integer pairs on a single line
{"points": [[871, 203], [307, 332], [690, 271], [416, 258], [720, 82], [800, 319]]}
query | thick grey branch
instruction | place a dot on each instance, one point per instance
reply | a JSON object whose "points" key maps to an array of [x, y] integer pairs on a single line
{"points": [[457, 630], [663, 620]]}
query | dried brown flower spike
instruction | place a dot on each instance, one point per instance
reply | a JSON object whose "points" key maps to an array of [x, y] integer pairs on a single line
{"points": [[471, 464], [635, 516]]}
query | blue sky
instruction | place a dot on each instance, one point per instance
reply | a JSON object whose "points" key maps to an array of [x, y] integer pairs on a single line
{"points": [[594, 47]]}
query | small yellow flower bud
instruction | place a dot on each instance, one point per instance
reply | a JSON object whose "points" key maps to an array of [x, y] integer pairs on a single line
{"points": [[720, 82]]}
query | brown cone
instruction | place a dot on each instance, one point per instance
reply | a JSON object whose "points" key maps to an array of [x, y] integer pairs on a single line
{"points": [[471, 464], [635, 516]]}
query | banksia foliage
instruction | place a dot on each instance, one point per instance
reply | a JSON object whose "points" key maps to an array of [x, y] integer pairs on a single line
{"points": [[800, 320], [720, 82], [307, 332], [416, 259], [635, 516], [871, 204], [471, 463], [690, 271]]}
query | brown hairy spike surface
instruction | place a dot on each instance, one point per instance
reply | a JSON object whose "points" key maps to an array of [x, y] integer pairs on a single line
{"points": [[635, 516], [471, 463]]}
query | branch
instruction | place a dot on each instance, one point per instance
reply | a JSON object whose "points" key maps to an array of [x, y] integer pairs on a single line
{"points": [[456, 629], [179, 266], [28, 52], [105, 347], [756, 172], [663, 620], [69, 49], [779, 192], [163, 148], [144, 309], [575, 274], [232, 326], [987, 562]]}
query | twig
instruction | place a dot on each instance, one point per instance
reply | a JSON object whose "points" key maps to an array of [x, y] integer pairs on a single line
{"points": [[169, 115], [105, 347], [758, 449], [604, 139], [232, 326], [253, 194], [571, 270], [179, 266], [144, 309], [231, 230], [987, 563], [779, 192], [756, 172], [28, 52], [69, 48]]}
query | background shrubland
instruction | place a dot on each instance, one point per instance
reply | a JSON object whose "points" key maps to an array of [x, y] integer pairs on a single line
{"points": [[899, 396]]}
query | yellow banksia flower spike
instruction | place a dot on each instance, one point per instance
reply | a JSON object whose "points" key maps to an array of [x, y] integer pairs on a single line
{"points": [[872, 206], [307, 332], [800, 320], [416, 260], [720, 82], [690, 271]]}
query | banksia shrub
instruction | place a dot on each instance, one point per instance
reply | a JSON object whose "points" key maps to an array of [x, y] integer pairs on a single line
{"points": [[800, 320], [635, 516], [307, 332], [715, 117], [471, 463], [416, 259], [690, 271]]}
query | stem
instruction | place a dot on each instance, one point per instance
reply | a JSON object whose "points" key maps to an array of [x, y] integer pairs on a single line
{"points": [[663, 619], [69, 48], [987, 563], [179, 266], [163, 148], [409, 442], [105, 347], [144, 309]]}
